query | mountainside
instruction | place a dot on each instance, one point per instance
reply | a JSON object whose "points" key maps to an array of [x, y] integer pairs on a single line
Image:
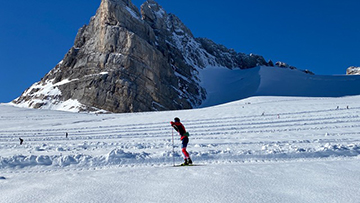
{"points": [[124, 61], [131, 61], [272, 81]]}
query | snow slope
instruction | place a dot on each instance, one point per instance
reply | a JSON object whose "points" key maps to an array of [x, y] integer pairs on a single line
{"points": [[224, 85], [260, 149], [287, 82]]}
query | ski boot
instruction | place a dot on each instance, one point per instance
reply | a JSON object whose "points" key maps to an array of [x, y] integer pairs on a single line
{"points": [[185, 163], [190, 161]]}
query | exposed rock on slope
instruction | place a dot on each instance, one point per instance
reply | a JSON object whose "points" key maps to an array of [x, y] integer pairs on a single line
{"points": [[124, 61], [353, 70]]}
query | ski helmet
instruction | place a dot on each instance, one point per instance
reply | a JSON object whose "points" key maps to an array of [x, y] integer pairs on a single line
{"points": [[177, 119]]}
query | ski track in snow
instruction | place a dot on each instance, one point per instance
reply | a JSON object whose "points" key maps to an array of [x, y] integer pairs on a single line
{"points": [[259, 129]]}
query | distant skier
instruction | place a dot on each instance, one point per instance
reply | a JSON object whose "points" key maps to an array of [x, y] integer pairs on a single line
{"points": [[21, 141], [179, 127], [66, 135]]}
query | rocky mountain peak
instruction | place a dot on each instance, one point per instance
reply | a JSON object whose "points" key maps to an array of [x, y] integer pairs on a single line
{"points": [[124, 61], [117, 12], [153, 14]]}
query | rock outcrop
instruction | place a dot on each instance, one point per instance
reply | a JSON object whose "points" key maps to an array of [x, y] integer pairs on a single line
{"points": [[131, 61], [352, 70]]}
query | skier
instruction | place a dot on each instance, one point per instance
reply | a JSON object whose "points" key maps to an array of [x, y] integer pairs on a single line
{"points": [[21, 141], [178, 126]]}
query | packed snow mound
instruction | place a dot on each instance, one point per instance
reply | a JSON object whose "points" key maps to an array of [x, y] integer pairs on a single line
{"points": [[116, 157], [224, 85]]}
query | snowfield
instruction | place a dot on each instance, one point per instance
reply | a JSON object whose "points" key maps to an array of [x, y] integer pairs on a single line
{"points": [[260, 149]]}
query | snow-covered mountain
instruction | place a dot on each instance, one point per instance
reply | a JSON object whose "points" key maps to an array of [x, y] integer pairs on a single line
{"points": [[131, 61], [124, 61]]}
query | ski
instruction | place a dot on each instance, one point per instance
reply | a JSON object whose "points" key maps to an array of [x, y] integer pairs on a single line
{"points": [[180, 165]]}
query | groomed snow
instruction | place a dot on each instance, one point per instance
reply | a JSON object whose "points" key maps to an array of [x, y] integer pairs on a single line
{"points": [[260, 149]]}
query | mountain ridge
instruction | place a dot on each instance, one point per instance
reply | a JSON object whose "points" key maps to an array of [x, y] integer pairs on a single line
{"points": [[130, 61]]}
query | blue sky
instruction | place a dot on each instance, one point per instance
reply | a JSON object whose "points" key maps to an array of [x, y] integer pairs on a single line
{"points": [[320, 35]]}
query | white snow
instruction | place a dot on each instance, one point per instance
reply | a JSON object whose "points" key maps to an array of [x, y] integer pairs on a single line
{"points": [[133, 13], [160, 13], [63, 82], [259, 149], [104, 73], [225, 85]]}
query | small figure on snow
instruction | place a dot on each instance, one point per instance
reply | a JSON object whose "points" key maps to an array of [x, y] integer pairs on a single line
{"points": [[21, 141], [66, 135], [179, 127]]}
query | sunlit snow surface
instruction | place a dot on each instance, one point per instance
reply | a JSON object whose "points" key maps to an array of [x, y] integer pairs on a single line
{"points": [[260, 149]]}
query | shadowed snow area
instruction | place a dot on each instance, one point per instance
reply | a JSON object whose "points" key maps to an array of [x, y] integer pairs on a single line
{"points": [[224, 85]]}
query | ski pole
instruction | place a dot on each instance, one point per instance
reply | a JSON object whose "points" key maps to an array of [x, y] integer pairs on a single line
{"points": [[173, 152]]}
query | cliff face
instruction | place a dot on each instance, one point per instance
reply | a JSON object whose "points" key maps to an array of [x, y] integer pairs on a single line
{"points": [[124, 61]]}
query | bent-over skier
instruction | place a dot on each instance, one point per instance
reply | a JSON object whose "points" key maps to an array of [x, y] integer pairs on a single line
{"points": [[179, 127], [21, 141]]}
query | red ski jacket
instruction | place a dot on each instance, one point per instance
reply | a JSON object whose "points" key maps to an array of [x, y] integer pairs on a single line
{"points": [[179, 127]]}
